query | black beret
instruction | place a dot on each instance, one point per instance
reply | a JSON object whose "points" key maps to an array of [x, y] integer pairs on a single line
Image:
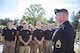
{"points": [[60, 10]]}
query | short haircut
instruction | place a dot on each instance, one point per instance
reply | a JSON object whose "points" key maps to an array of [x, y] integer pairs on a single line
{"points": [[9, 21]]}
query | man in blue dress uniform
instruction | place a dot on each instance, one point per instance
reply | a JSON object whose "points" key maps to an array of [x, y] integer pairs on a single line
{"points": [[63, 37]]}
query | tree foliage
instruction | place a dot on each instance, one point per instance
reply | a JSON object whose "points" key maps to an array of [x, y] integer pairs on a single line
{"points": [[76, 21], [35, 13], [16, 21], [3, 21], [51, 20]]}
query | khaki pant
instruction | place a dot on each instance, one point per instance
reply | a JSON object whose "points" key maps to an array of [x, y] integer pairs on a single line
{"points": [[0, 36], [24, 49], [17, 46], [38, 48], [32, 47], [48, 46], [44, 46], [8, 47]]}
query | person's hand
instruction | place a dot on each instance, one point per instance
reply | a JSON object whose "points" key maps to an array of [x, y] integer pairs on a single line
{"points": [[44, 40], [25, 44], [13, 45], [40, 43]]}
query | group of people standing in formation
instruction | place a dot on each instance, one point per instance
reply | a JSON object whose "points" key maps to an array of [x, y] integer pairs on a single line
{"points": [[28, 40], [25, 39]]}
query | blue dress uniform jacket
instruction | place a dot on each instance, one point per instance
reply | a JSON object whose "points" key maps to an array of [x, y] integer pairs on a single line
{"points": [[63, 39]]}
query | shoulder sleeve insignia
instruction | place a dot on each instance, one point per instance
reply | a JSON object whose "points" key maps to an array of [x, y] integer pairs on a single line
{"points": [[58, 44]]}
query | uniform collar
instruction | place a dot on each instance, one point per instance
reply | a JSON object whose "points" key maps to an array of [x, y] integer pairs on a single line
{"points": [[63, 23], [9, 29]]}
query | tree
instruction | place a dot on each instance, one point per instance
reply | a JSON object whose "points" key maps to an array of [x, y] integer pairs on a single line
{"points": [[16, 21], [72, 16], [35, 13], [0, 21], [78, 26], [51, 20], [4, 21], [75, 19]]}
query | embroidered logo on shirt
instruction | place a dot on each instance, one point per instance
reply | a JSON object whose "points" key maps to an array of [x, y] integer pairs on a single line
{"points": [[27, 32], [12, 33]]}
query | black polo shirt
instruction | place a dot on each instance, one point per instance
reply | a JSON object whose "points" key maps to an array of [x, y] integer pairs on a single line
{"points": [[9, 34], [25, 35], [19, 28], [38, 33], [48, 34]]}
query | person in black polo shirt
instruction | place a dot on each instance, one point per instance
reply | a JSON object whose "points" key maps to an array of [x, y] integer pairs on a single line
{"points": [[9, 38], [18, 30], [25, 37], [48, 39], [38, 36]]}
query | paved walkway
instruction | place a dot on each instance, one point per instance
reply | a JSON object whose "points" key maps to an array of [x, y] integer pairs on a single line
{"points": [[76, 48], [1, 48]]}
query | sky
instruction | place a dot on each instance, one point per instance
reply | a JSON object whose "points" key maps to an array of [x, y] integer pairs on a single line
{"points": [[14, 9]]}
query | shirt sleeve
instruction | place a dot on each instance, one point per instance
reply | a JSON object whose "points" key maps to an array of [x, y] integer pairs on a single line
{"points": [[3, 32], [17, 28], [43, 33], [20, 33], [33, 34], [15, 32], [30, 33]]}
